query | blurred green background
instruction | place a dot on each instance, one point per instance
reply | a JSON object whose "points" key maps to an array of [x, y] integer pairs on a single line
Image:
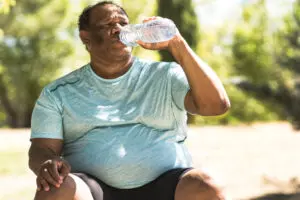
{"points": [[253, 45]]}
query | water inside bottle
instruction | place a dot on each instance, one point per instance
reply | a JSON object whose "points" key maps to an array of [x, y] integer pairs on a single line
{"points": [[151, 32], [158, 31], [128, 36]]}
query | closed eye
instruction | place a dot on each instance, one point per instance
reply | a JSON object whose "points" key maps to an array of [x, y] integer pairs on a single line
{"points": [[123, 23]]}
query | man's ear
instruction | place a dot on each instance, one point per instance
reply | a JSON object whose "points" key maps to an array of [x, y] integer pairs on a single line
{"points": [[85, 38]]}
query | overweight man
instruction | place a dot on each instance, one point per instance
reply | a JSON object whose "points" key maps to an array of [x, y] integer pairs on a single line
{"points": [[115, 128]]}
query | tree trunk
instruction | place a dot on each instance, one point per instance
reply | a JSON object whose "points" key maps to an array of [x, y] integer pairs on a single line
{"points": [[27, 118], [11, 115]]}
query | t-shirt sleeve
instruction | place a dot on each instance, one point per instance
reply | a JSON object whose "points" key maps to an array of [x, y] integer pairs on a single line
{"points": [[46, 121], [179, 85]]}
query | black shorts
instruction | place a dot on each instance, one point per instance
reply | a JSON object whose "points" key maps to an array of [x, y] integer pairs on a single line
{"points": [[162, 188]]}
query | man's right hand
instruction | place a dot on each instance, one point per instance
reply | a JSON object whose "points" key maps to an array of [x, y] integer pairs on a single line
{"points": [[52, 172]]}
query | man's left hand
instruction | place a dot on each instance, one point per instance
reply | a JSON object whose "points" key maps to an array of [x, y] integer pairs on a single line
{"points": [[166, 45]]}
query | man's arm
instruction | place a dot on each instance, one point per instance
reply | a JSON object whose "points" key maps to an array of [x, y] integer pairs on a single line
{"points": [[42, 150], [207, 95], [46, 163]]}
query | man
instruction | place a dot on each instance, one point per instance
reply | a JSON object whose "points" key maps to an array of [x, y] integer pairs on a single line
{"points": [[114, 129]]}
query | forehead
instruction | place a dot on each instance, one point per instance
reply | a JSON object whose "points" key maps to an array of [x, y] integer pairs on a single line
{"points": [[106, 12]]}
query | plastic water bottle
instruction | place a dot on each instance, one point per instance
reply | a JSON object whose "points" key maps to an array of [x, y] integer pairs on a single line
{"points": [[158, 30]]}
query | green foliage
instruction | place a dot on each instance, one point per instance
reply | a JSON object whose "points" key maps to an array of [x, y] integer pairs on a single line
{"points": [[247, 108], [39, 42], [251, 54], [184, 16], [252, 61], [215, 52], [289, 39], [288, 57], [2, 119], [33, 48], [5, 5], [269, 65]]}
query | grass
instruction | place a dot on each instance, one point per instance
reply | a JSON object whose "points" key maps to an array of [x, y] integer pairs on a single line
{"points": [[13, 162], [241, 157], [16, 180], [23, 194], [14, 176]]}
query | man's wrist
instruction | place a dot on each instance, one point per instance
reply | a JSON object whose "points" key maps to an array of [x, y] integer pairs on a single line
{"points": [[35, 165], [177, 47]]}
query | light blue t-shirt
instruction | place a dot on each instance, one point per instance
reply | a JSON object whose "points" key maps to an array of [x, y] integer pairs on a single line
{"points": [[124, 131]]}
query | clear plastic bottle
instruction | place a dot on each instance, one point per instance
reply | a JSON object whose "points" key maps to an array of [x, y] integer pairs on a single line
{"points": [[158, 30]]}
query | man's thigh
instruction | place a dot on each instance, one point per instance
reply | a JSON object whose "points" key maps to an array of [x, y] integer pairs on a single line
{"points": [[72, 188], [83, 191], [162, 188], [196, 184], [165, 185]]}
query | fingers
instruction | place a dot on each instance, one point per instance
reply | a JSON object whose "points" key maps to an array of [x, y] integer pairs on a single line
{"points": [[64, 169], [38, 185], [42, 184], [151, 18], [49, 178], [142, 44], [153, 46], [45, 185], [49, 174], [53, 171], [44, 180]]}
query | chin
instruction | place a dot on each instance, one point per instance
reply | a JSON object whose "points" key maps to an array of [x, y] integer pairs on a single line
{"points": [[125, 52], [125, 56]]}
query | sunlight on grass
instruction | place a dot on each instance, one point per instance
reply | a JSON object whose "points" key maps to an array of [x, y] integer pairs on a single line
{"points": [[13, 162], [14, 173], [24, 194]]}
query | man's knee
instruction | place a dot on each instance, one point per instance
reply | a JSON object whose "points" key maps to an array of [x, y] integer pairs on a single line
{"points": [[195, 185], [66, 191]]}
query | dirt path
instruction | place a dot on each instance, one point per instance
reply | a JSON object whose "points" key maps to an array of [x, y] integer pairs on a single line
{"points": [[248, 161]]}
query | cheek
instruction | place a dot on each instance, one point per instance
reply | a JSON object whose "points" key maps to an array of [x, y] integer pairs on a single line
{"points": [[98, 38]]}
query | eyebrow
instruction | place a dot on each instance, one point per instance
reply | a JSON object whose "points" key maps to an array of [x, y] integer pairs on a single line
{"points": [[105, 21]]}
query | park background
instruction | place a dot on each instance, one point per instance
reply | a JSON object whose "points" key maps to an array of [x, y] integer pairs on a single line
{"points": [[253, 45]]}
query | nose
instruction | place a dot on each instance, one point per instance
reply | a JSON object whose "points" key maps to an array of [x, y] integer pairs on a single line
{"points": [[116, 29]]}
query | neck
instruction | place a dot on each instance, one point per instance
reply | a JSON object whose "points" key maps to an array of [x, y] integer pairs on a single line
{"points": [[110, 69]]}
